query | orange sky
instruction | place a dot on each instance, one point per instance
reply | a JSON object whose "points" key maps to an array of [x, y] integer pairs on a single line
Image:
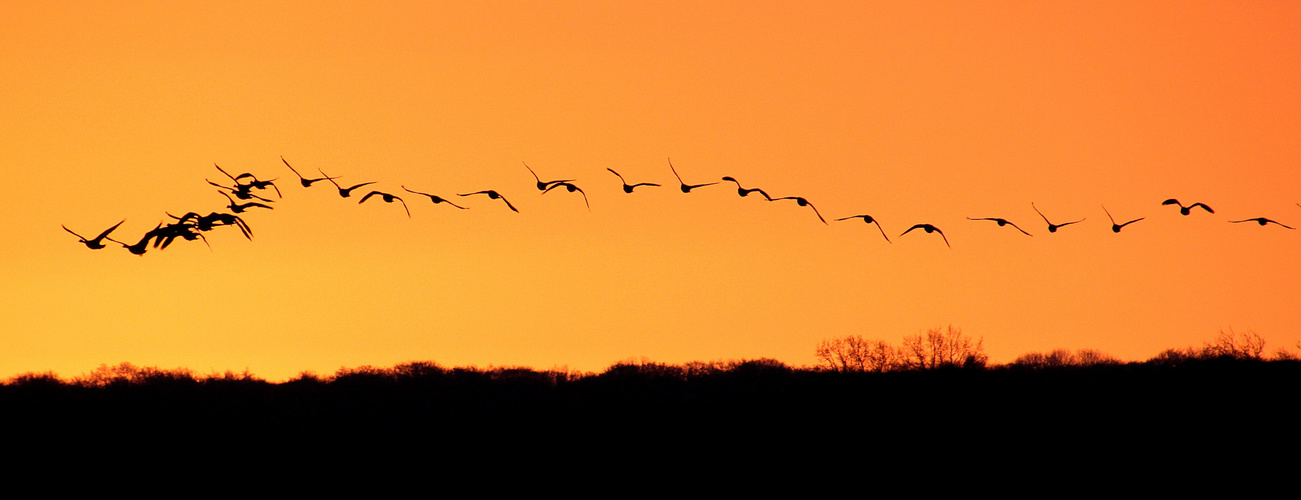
{"points": [[913, 112]]}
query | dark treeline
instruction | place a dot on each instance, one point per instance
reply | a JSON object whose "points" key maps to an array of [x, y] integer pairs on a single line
{"points": [[756, 401]]}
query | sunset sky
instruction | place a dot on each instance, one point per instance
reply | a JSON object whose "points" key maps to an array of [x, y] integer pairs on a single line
{"points": [[912, 112]]}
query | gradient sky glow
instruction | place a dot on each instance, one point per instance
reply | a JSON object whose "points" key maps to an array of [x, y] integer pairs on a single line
{"points": [[913, 112]]}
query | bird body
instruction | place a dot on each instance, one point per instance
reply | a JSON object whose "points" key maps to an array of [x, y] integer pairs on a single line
{"points": [[139, 248], [254, 183], [388, 198], [686, 188], [929, 229], [746, 192], [1188, 209], [343, 192], [1115, 228], [627, 188], [1262, 221], [494, 195], [542, 186], [97, 242], [240, 208], [241, 191], [1001, 223], [303, 180], [803, 203], [571, 188], [435, 199], [869, 220], [1052, 228]]}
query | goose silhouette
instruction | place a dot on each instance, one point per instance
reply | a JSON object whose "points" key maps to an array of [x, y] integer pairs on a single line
{"points": [[343, 192], [929, 229], [571, 188], [869, 220], [253, 182], [1188, 209], [214, 219], [494, 195], [140, 247], [803, 203], [1115, 228], [1262, 221], [542, 186], [627, 188], [435, 199], [1052, 228], [97, 242], [388, 198], [240, 208], [303, 180], [1001, 223], [165, 235], [241, 191], [686, 188], [746, 192]]}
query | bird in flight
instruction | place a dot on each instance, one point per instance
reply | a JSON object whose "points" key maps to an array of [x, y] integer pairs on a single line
{"points": [[494, 195], [627, 188], [1188, 209], [343, 192], [1115, 228], [143, 245], [1052, 228], [803, 203], [930, 229], [303, 180], [214, 219], [240, 208], [571, 189], [1001, 223], [542, 186], [241, 191], [98, 242], [165, 235], [686, 188], [254, 183], [435, 199], [869, 220], [388, 198], [746, 192], [1262, 221]]}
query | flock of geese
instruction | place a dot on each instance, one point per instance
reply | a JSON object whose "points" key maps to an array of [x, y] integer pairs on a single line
{"points": [[248, 189]]}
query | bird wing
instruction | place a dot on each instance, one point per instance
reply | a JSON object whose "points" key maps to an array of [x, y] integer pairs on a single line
{"points": [[512, 207], [80, 237], [878, 226], [1041, 214], [109, 230], [815, 211]]}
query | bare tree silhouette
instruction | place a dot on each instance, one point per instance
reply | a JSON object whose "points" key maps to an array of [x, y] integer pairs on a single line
{"points": [[941, 349], [856, 354]]}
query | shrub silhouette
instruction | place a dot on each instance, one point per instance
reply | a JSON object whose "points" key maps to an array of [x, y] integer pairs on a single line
{"points": [[1246, 345], [1061, 358]]}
